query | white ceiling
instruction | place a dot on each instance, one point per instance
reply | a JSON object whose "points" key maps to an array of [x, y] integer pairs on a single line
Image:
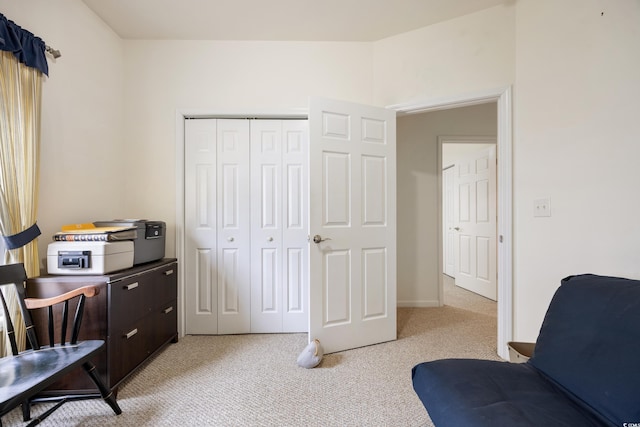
{"points": [[294, 20]]}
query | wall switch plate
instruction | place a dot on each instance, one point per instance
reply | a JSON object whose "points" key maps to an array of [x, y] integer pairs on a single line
{"points": [[542, 207]]}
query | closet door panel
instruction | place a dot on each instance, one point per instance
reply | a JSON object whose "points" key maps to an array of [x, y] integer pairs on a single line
{"points": [[266, 229], [234, 238], [295, 245], [201, 289]]}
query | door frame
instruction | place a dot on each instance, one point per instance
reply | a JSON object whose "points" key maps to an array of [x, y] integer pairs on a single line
{"points": [[445, 203], [502, 96]]}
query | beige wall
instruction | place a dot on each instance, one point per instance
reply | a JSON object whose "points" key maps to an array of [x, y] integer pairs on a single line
{"points": [[573, 66], [82, 114], [473, 53], [576, 142], [417, 182], [109, 106], [165, 76]]}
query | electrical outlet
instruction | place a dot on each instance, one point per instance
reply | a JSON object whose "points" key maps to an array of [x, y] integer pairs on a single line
{"points": [[542, 207]]}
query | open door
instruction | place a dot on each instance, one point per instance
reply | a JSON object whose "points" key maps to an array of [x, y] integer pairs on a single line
{"points": [[476, 219], [352, 179]]}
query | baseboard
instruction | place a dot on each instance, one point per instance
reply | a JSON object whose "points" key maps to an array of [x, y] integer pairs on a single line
{"points": [[418, 304]]}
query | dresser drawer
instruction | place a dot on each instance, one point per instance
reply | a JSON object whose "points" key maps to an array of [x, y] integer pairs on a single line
{"points": [[130, 300], [129, 347], [165, 324], [164, 287]]}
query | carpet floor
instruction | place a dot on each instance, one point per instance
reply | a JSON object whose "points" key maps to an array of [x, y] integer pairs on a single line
{"points": [[253, 380]]}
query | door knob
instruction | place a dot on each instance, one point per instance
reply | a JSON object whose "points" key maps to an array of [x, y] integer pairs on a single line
{"points": [[230, 239], [270, 239], [456, 228], [317, 239]]}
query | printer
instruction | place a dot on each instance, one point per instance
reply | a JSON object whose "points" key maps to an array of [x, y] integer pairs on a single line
{"points": [[149, 243]]}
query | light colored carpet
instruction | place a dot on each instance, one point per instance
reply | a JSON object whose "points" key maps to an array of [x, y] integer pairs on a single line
{"points": [[253, 380]]}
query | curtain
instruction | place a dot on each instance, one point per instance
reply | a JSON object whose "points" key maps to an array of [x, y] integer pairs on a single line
{"points": [[21, 75]]}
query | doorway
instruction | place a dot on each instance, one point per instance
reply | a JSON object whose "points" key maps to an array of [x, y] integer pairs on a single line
{"points": [[502, 97]]}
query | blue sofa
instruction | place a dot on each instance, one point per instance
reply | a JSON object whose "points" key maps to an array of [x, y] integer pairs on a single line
{"points": [[584, 371]]}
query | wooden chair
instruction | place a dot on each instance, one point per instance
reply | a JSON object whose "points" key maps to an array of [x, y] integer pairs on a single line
{"points": [[25, 374]]}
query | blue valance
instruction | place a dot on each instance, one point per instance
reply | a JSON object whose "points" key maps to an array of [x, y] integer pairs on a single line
{"points": [[26, 47]]}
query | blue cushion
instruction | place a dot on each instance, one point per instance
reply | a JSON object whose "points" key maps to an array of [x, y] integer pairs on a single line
{"points": [[468, 392], [589, 345]]}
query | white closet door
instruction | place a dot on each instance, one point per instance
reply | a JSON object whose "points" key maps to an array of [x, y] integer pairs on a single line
{"points": [[295, 226], [201, 293], [279, 226], [266, 226], [246, 219], [234, 223]]}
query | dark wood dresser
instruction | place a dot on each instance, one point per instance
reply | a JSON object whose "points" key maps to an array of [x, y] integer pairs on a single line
{"points": [[135, 313]]}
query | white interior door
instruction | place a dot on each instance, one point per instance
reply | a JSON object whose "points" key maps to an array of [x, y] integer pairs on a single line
{"points": [[448, 222], [217, 226], [476, 218], [352, 253], [234, 235], [246, 226], [295, 230], [279, 226], [266, 226], [201, 294]]}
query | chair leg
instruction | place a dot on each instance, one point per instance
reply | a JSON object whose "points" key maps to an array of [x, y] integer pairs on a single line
{"points": [[107, 394], [26, 410], [41, 418]]}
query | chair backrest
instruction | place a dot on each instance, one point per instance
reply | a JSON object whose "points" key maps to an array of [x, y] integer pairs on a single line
{"points": [[14, 277], [589, 345]]}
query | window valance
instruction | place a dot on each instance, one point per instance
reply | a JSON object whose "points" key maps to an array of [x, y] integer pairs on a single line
{"points": [[26, 47]]}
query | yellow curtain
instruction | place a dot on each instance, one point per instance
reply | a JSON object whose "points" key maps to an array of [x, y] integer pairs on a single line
{"points": [[20, 106]]}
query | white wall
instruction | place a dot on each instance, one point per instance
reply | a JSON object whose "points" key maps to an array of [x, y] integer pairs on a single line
{"points": [[165, 76], [473, 53], [417, 181], [576, 142], [82, 114]]}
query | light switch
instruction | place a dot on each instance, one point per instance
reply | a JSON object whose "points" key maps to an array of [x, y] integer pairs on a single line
{"points": [[542, 207]]}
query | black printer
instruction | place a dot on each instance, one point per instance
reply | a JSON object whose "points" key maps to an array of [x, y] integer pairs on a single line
{"points": [[150, 237]]}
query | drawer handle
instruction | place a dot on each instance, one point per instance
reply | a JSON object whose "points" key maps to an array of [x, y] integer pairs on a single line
{"points": [[168, 272], [131, 286], [168, 310], [131, 333]]}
